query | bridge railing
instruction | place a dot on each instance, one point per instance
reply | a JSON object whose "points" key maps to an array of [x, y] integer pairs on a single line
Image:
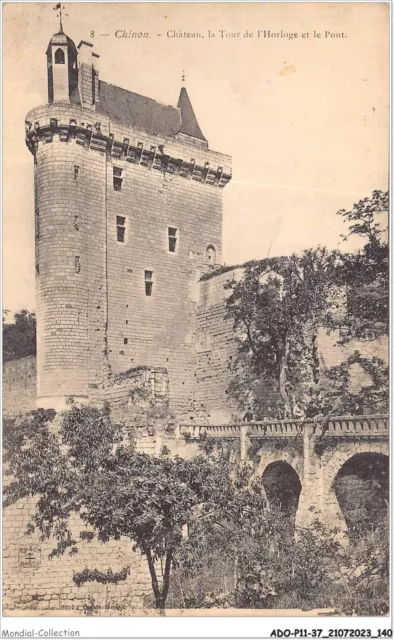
{"points": [[356, 425], [212, 431], [334, 426]]}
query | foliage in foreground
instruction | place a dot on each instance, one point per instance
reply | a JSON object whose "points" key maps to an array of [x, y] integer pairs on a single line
{"points": [[280, 571], [81, 463]]}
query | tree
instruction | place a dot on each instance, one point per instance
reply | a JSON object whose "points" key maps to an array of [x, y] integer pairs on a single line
{"points": [[366, 272], [19, 337], [364, 275], [277, 308], [81, 463], [362, 218], [373, 393]]}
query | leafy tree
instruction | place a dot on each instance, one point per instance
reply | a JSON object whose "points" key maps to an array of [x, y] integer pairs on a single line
{"points": [[366, 272], [277, 308], [362, 218], [80, 463], [372, 394], [364, 275], [247, 556], [19, 337]]}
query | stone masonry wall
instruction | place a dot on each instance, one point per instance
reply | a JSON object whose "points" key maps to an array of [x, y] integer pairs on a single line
{"points": [[216, 350], [19, 385], [158, 330], [333, 354], [38, 582], [204, 364]]}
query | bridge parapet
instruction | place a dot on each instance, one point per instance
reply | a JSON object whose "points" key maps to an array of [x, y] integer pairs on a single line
{"points": [[274, 429], [343, 426], [335, 426], [229, 431]]}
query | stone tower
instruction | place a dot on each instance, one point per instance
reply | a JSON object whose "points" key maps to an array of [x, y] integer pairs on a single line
{"points": [[128, 211]]}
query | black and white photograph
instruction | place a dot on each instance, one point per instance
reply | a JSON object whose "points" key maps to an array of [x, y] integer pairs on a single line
{"points": [[195, 379]]}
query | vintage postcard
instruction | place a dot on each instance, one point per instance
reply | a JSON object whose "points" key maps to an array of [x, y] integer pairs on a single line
{"points": [[195, 310]]}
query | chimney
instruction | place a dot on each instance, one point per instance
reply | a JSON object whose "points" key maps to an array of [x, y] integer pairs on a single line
{"points": [[95, 60], [87, 74]]}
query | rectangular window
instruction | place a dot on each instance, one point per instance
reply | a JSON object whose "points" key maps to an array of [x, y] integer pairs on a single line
{"points": [[117, 178], [172, 239], [120, 228], [77, 264], [148, 283]]}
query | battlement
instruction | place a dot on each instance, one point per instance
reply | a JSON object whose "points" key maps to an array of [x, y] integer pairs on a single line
{"points": [[71, 123]]}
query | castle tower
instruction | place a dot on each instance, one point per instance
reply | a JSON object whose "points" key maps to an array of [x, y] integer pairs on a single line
{"points": [[128, 209]]}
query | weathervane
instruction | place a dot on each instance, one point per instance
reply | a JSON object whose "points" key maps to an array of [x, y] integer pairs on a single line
{"points": [[59, 7], [183, 77]]}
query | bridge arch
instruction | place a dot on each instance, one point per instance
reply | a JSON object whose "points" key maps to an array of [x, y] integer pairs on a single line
{"points": [[282, 488], [356, 482], [332, 461], [361, 487], [291, 457]]}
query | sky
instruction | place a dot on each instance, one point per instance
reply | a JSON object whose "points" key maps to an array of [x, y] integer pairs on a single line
{"points": [[305, 119]]}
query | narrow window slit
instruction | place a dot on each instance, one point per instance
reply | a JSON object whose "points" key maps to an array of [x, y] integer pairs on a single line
{"points": [[172, 239], [148, 283], [117, 178], [120, 228]]}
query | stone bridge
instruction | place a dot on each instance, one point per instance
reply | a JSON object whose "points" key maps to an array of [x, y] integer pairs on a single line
{"points": [[336, 470]]}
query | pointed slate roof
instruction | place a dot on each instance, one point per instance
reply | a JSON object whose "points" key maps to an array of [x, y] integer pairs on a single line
{"points": [[147, 114], [138, 111], [62, 39], [189, 124]]}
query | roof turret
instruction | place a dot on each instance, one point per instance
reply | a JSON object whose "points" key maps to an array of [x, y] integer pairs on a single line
{"points": [[61, 39], [189, 124]]}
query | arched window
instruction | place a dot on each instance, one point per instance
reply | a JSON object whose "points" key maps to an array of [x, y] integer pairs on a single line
{"points": [[59, 56], [210, 254]]}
